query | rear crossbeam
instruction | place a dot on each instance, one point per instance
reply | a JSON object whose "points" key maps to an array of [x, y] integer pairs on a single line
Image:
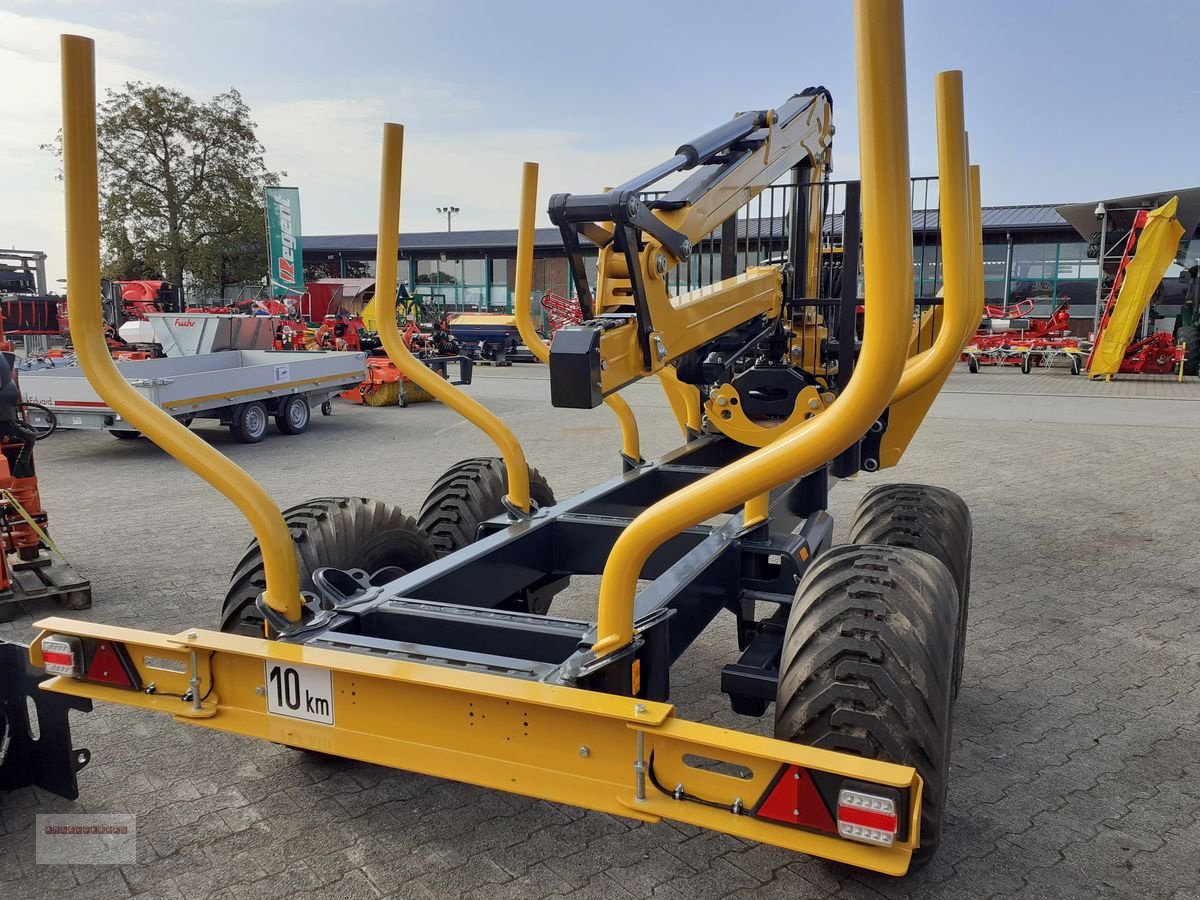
{"points": [[619, 755]]}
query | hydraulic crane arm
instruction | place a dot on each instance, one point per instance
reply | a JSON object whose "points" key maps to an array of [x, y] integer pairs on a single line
{"points": [[633, 326]]}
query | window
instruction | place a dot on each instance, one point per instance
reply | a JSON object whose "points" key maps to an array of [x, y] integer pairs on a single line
{"points": [[500, 271], [473, 271], [1035, 261], [1073, 261], [437, 271], [995, 256]]}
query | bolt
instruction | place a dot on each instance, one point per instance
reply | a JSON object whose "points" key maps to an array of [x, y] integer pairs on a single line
{"points": [[584, 751], [686, 248], [191, 635], [262, 692], [796, 351], [661, 348], [721, 401], [639, 708], [603, 365], [814, 403], [660, 264], [679, 791], [633, 206], [828, 398]]}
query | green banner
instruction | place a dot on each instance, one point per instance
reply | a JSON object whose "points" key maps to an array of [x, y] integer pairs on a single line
{"points": [[286, 261]]}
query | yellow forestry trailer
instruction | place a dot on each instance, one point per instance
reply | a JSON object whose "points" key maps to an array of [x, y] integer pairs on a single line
{"points": [[429, 644]]}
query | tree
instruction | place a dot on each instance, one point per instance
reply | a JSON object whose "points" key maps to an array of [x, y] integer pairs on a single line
{"points": [[181, 187]]}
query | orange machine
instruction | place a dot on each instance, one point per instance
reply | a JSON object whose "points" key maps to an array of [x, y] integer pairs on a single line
{"points": [[30, 567]]}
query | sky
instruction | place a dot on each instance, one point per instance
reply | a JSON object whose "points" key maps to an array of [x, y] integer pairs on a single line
{"points": [[1066, 100]]}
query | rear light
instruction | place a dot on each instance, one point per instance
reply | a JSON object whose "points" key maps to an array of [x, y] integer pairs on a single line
{"points": [[104, 662], [62, 655], [867, 817]]}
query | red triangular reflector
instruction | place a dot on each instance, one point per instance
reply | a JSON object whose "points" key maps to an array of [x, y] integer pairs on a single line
{"points": [[794, 799], [108, 667]]}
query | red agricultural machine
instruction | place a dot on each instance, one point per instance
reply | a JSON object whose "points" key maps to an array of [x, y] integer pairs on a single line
{"points": [[1009, 337], [385, 384], [31, 568], [560, 312], [1149, 248]]}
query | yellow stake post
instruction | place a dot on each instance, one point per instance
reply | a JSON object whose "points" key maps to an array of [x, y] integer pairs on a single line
{"points": [[972, 323], [887, 265], [81, 185], [386, 256], [958, 245], [523, 307]]}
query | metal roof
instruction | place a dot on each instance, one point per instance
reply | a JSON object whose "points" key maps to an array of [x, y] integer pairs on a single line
{"points": [[432, 241], [1121, 211], [1035, 217], [1009, 218]]}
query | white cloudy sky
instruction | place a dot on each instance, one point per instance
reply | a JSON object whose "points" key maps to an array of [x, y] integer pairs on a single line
{"points": [[1067, 100]]}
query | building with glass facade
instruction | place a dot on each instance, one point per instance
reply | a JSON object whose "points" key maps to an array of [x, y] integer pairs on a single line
{"points": [[1030, 252]]}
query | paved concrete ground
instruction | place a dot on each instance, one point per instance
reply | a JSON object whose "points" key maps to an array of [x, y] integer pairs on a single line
{"points": [[1076, 765]]}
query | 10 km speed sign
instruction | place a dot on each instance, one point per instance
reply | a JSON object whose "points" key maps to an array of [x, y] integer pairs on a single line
{"points": [[300, 692]]}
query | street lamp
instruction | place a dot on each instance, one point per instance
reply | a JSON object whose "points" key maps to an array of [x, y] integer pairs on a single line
{"points": [[448, 212], [1102, 215]]}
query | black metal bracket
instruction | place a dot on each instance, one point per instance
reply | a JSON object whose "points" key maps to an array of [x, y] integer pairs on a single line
{"points": [[47, 761], [317, 619]]}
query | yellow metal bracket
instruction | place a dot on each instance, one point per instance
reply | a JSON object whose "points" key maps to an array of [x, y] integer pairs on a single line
{"points": [[727, 414], [688, 321], [684, 400]]}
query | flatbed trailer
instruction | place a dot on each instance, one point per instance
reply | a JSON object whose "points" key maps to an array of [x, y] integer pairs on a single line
{"points": [[238, 388]]}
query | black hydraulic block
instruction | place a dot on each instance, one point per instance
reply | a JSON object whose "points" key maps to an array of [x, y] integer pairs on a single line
{"points": [[575, 368]]}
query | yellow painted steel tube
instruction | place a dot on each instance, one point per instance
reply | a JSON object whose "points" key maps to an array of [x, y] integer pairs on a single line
{"points": [[972, 323], [386, 256], [631, 447], [523, 308], [887, 265], [80, 182], [523, 278], [958, 246]]}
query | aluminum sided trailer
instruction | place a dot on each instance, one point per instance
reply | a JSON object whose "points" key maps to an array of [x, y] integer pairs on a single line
{"points": [[242, 389]]}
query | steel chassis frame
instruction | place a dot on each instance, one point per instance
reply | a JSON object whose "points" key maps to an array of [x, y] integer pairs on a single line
{"points": [[462, 611]]}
